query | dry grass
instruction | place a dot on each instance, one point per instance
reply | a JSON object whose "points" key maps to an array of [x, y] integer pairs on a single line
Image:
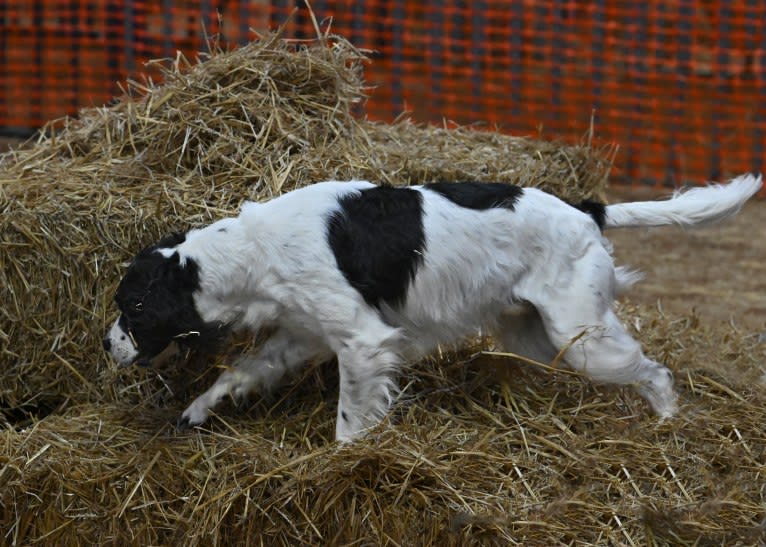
{"points": [[478, 451]]}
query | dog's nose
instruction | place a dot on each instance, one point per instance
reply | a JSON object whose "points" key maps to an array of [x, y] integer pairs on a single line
{"points": [[107, 344]]}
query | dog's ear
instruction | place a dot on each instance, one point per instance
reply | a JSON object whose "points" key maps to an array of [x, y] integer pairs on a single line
{"points": [[171, 240], [165, 246], [184, 274]]}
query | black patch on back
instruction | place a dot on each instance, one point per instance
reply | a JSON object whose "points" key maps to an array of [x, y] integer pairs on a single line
{"points": [[479, 195], [378, 242], [596, 210]]}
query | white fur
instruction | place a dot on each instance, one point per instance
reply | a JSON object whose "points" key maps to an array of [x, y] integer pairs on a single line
{"points": [[537, 277]]}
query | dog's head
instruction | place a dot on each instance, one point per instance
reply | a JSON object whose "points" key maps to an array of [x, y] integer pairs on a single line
{"points": [[156, 302]]}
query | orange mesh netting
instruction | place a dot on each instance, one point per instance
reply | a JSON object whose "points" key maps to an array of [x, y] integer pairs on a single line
{"points": [[678, 84]]}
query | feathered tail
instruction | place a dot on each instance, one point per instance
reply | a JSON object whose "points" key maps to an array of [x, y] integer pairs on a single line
{"points": [[693, 207]]}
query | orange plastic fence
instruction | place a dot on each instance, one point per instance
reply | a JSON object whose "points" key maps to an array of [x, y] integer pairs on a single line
{"points": [[678, 84]]}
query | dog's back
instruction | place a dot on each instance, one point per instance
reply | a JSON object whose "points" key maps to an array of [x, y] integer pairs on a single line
{"points": [[478, 262]]}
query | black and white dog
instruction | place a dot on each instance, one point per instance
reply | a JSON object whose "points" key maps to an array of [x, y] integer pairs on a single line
{"points": [[377, 275]]}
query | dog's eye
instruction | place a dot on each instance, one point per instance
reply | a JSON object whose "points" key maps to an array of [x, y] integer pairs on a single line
{"points": [[139, 306]]}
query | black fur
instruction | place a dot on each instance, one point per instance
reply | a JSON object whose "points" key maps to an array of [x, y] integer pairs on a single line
{"points": [[155, 299], [167, 242], [596, 210], [378, 241], [479, 195]]}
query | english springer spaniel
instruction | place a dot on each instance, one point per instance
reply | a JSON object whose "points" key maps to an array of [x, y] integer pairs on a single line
{"points": [[377, 275]]}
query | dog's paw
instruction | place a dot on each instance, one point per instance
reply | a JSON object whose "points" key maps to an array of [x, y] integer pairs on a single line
{"points": [[241, 398], [193, 416]]}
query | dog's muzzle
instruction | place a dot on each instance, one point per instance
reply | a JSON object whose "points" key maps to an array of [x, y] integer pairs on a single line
{"points": [[121, 345]]}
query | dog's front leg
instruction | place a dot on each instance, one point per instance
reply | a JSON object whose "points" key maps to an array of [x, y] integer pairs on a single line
{"points": [[283, 353], [367, 389]]}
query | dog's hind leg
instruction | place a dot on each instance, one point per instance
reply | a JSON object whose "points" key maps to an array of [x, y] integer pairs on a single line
{"points": [[281, 354], [578, 318], [523, 333], [605, 352]]}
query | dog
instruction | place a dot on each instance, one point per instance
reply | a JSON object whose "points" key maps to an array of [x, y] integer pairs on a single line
{"points": [[379, 275]]}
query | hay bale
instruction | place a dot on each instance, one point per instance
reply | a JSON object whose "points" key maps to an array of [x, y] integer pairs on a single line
{"points": [[245, 124], [482, 451]]}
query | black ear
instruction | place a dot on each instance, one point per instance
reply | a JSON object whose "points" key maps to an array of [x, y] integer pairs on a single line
{"points": [[184, 275], [171, 240], [168, 242]]}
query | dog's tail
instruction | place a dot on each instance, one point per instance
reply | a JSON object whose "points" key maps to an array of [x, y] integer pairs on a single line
{"points": [[696, 206]]}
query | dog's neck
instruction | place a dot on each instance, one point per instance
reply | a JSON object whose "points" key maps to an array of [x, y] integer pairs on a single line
{"points": [[230, 278]]}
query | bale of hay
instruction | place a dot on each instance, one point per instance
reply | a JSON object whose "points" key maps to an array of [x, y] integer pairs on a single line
{"points": [[482, 450], [244, 124], [479, 451]]}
